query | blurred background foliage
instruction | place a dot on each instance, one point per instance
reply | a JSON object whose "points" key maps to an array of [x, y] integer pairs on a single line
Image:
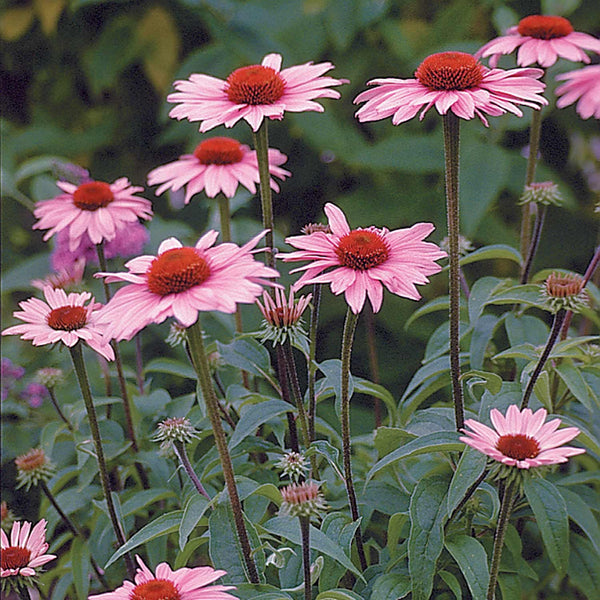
{"points": [[86, 81]]}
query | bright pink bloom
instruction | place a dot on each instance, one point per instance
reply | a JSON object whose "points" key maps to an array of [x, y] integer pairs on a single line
{"points": [[541, 39], [64, 277], [166, 584], [62, 318], [181, 281], [96, 208], [25, 551], [582, 85], [363, 261], [253, 93], [452, 81], [521, 438], [217, 165]]}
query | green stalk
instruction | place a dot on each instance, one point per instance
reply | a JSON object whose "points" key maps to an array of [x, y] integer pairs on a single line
{"points": [[225, 215], [535, 242], [82, 378], [184, 459], [347, 339], [451, 153], [305, 531], [61, 414], [312, 366], [200, 363]]}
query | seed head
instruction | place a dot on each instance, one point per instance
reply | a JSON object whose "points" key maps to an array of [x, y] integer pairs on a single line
{"points": [[33, 467], [564, 291], [302, 500], [293, 466], [174, 429], [50, 377], [544, 193]]}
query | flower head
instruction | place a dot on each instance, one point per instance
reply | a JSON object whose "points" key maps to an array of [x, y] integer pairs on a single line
{"points": [[302, 500], [166, 584], [174, 429], [253, 93], [541, 39], [9, 375], [50, 377], [217, 165], [62, 318], [583, 87], [565, 291], [33, 467], [181, 281], [94, 208], [544, 193], [361, 262], [66, 277], [293, 465], [24, 552], [521, 438], [34, 394], [452, 81]]}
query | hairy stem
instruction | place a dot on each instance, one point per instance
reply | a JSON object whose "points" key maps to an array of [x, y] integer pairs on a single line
{"points": [[305, 530], [535, 241], [312, 366], [59, 410], [261, 145], [189, 469]]}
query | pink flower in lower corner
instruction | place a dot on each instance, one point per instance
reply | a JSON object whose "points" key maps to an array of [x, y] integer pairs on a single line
{"points": [[62, 318], [166, 584], [181, 281], [253, 93], [582, 86], [217, 165], [521, 438], [541, 39], [94, 208], [361, 262], [452, 81], [25, 551]]}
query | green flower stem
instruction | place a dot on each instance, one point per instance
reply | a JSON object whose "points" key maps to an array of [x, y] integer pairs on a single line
{"points": [[290, 366], [535, 241], [139, 363], [305, 531], [261, 145], [466, 497], [79, 364], [73, 529], [505, 509], [559, 318], [200, 363], [187, 465], [312, 366], [23, 592], [61, 414], [225, 215], [347, 339], [451, 152], [285, 395]]}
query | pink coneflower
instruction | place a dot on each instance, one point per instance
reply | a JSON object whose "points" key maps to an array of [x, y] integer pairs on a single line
{"points": [[363, 261], [521, 438], [583, 86], [166, 584], [541, 39], [70, 275], [217, 164], [24, 552], [253, 93], [452, 81], [181, 281], [96, 208], [62, 318]]}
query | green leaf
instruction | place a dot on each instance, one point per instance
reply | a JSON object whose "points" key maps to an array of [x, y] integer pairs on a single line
{"points": [[162, 525], [331, 454], [441, 303], [452, 582], [529, 294], [338, 594], [584, 566], [363, 386], [394, 531], [481, 292], [255, 415], [580, 513], [224, 547], [442, 441], [142, 498], [585, 437], [470, 556], [391, 585], [483, 332], [80, 565], [247, 354], [575, 383], [193, 511], [510, 586], [470, 467], [386, 498], [332, 369], [426, 540], [250, 591], [491, 381], [492, 252], [550, 511], [170, 366]]}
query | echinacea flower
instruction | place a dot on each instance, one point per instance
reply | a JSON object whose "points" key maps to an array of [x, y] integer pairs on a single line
{"points": [[166, 584], [217, 165], [95, 207], [582, 86], [181, 281], [25, 551], [565, 291], [452, 81], [62, 318], [541, 39], [33, 467], [521, 438], [360, 262], [302, 500], [253, 93], [69, 276]]}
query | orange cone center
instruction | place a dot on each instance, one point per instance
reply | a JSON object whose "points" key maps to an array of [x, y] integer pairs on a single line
{"points": [[67, 318], [177, 270], [362, 249], [544, 27], [450, 71], [15, 557], [255, 85], [156, 589], [219, 151], [93, 195], [518, 446]]}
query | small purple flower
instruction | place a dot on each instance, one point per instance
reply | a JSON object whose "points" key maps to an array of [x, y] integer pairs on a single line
{"points": [[10, 373], [35, 394]]}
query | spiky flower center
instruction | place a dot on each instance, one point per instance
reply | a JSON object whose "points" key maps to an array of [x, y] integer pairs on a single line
{"points": [[15, 557], [33, 460], [544, 27], [67, 318], [156, 589], [563, 286], [518, 446], [450, 71], [93, 195], [176, 271], [362, 249], [219, 151], [255, 85]]}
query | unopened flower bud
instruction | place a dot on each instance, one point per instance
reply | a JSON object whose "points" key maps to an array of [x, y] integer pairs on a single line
{"points": [[174, 429], [302, 500], [545, 192], [564, 291], [315, 227], [33, 467], [50, 377], [464, 245], [283, 318], [177, 334], [293, 465]]}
